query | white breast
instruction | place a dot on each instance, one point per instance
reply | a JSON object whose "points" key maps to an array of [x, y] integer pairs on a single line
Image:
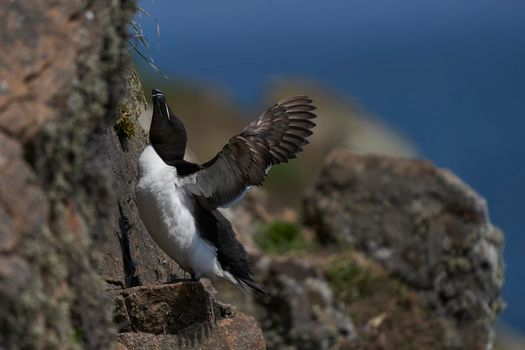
{"points": [[166, 212]]}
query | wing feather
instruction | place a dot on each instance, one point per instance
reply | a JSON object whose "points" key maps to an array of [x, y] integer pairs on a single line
{"points": [[277, 136]]}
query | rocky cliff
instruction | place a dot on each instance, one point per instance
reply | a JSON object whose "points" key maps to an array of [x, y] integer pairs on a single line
{"points": [[77, 269], [425, 227], [61, 78]]}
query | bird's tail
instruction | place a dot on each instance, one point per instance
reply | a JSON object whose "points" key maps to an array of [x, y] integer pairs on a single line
{"points": [[252, 284]]}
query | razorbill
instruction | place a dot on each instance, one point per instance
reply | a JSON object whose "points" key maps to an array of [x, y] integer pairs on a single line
{"points": [[178, 201]]}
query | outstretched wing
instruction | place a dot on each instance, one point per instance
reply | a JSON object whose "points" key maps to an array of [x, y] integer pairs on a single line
{"points": [[275, 137]]}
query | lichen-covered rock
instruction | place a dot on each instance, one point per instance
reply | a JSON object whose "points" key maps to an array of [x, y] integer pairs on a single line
{"points": [[61, 73], [387, 314], [424, 225], [300, 311]]}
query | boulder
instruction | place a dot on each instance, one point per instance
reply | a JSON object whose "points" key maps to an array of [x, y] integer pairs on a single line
{"points": [[421, 223], [181, 315], [300, 311]]}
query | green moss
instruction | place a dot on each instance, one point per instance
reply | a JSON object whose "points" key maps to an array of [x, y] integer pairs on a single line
{"points": [[124, 126], [402, 295], [351, 282], [280, 237], [77, 336]]}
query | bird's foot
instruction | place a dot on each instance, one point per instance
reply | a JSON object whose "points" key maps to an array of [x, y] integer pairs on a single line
{"points": [[177, 279]]}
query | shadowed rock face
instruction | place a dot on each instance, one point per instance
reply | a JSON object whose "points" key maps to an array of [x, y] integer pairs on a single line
{"points": [[424, 225]]}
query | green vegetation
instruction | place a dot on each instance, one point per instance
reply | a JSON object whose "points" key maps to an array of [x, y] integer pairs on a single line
{"points": [[125, 127], [351, 282], [382, 306], [402, 295], [280, 237], [77, 336]]}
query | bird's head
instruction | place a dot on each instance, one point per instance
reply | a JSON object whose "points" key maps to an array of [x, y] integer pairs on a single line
{"points": [[167, 134], [160, 107]]}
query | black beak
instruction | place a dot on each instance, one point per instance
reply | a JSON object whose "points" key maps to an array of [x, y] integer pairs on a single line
{"points": [[159, 101], [155, 92], [157, 96]]}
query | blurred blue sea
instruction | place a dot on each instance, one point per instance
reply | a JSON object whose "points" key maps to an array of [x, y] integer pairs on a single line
{"points": [[450, 74]]}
